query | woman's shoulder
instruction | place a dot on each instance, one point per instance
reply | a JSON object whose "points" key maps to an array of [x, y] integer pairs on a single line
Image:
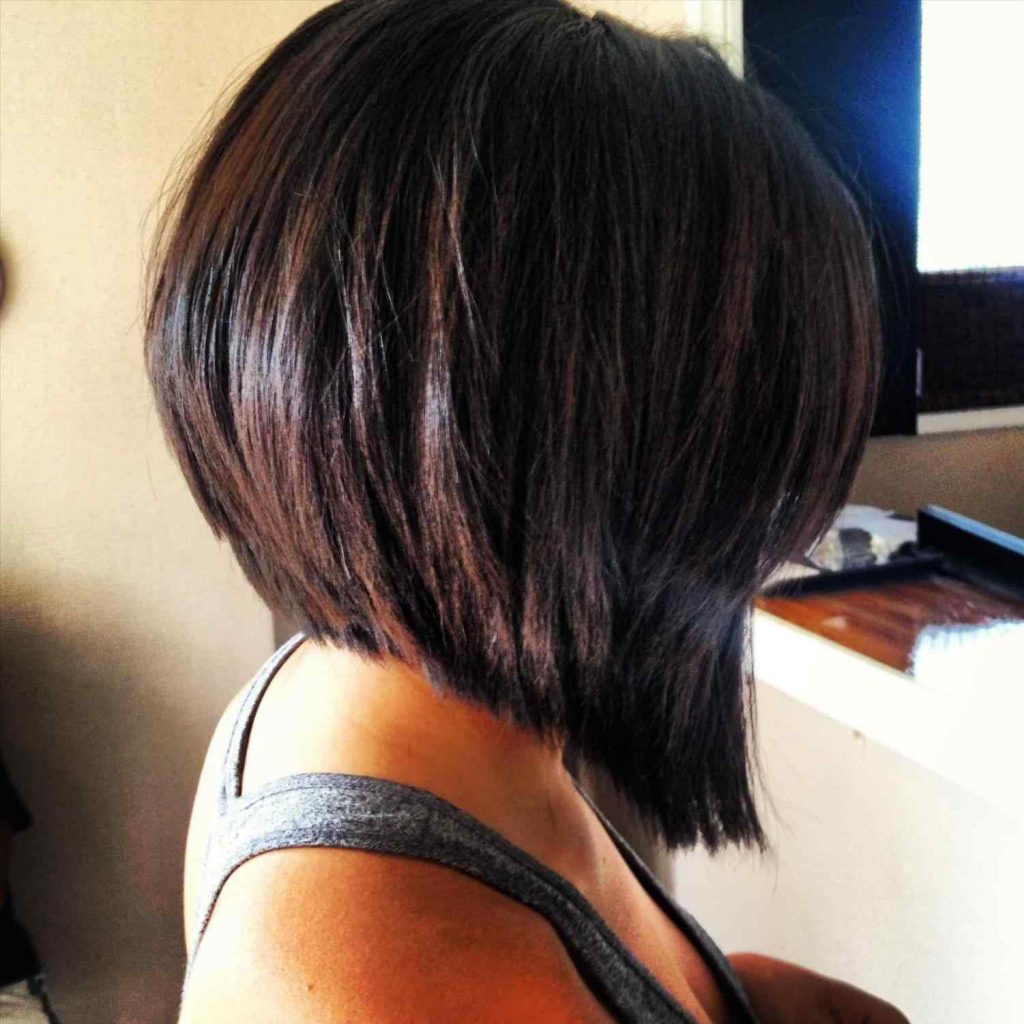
{"points": [[329, 935], [334, 934]]}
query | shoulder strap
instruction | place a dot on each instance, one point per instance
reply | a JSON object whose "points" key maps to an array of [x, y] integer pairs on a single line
{"points": [[367, 813], [364, 812], [687, 924], [238, 741], [229, 784]]}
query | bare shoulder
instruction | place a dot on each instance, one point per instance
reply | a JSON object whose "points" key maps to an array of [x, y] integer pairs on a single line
{"points": [[203, 809], [333, 935], [328, 935], [780, 991]]}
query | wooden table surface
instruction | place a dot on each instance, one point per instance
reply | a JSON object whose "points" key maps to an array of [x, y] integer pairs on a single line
{"points": [[884, 620]]}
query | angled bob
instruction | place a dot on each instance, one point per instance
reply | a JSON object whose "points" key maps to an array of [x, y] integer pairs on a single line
{"points": [[522, 345]]}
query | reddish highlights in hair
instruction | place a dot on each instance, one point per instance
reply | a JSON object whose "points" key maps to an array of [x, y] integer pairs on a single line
{"points": [[522, 345]]}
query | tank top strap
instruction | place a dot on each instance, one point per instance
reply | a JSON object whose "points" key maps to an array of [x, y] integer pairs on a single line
{"points": [[229, 782], [368, 813], [715, 959], [320, 809], [238, 739]]}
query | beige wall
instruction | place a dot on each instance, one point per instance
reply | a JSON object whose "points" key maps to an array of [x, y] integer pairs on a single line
{"points": [[125, 626], [979, 474]]}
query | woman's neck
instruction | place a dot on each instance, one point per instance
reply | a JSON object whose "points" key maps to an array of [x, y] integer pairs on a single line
{"points": [[386, 719]]}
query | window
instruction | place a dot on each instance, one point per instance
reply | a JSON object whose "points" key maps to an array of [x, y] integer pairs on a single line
{"points": [[971, 208], [970, 221]]}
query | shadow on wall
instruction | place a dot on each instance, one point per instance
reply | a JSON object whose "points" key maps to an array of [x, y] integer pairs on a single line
{"points": [[107, 763]]}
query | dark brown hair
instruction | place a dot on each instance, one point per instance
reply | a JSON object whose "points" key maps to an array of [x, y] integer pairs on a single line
{"points": [[522, 345]]}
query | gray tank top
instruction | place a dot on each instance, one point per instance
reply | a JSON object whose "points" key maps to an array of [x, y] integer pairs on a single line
{"points": [[367, 813]]}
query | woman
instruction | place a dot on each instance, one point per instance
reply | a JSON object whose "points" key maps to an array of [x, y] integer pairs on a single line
{"points": [[510, 349]]}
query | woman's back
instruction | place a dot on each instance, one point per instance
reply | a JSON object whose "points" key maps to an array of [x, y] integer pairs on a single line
{"points": [[368, 933]]}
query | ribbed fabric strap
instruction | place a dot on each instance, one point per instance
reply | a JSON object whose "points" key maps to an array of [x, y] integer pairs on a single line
{"points": [[238, 741], [368, 813]]}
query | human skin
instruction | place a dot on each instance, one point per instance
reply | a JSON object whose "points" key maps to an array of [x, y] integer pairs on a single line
{"points": [[328, 710], [782, 993]]}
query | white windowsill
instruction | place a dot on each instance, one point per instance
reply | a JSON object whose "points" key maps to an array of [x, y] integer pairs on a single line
{"points": [[970, 419], [970, 738]]}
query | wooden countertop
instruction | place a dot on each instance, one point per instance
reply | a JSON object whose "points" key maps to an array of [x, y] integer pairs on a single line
{"points": [[883, 620]]}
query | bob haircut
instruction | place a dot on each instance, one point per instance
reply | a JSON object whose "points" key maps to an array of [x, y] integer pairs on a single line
{"points": [[522, 345]]}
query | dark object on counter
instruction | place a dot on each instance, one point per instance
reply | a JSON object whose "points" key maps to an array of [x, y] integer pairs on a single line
{"points": [[960, 573], [973, 551], [947, 542], [909, 566]]}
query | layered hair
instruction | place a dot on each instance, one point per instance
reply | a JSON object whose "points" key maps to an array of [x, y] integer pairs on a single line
{"points": [[522, 345]]}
